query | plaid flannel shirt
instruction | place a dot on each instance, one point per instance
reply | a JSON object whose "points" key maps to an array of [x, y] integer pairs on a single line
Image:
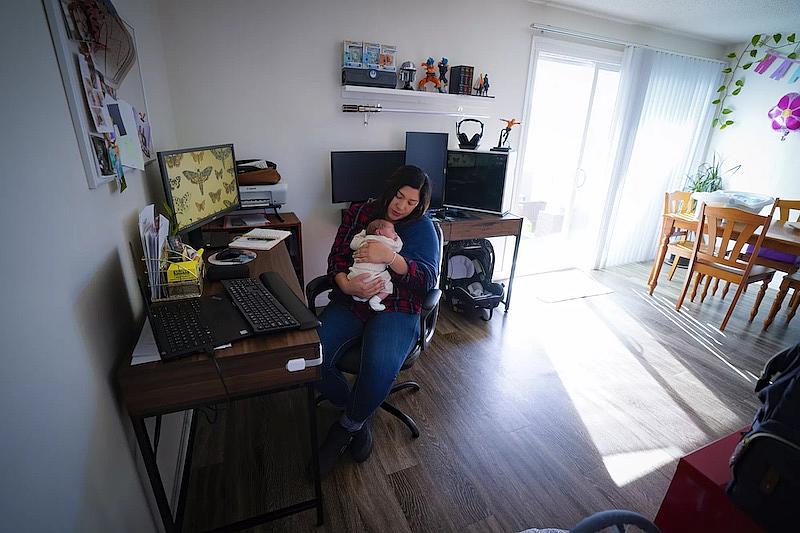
{"points": [[420, 250]]}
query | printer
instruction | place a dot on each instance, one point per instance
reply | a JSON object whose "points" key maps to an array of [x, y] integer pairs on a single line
{"points": [[259, 184], [263, 195]]}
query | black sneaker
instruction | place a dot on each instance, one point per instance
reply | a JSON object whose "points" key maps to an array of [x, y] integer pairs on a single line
{"points": [[335, 444], [361, 445]]}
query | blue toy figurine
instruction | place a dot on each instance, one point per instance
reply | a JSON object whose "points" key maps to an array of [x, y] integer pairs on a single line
{"points": [[443, 65]]}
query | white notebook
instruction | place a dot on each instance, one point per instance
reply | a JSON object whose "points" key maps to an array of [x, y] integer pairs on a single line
{"points": [[260, 239]]}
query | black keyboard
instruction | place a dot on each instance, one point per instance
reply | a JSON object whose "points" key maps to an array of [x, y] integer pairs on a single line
{"points": [[259, 307], [179, 323]]}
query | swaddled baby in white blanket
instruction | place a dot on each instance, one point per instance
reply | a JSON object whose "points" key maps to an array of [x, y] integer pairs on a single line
{"points": [[382, 231]]}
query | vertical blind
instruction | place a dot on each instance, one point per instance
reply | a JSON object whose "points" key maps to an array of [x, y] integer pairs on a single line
{"points": [[663, 120]]}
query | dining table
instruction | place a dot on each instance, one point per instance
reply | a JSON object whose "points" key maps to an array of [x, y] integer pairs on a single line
{"points": [[781, 237]]}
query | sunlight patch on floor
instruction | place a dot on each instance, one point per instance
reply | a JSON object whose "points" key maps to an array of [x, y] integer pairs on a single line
{"points": [[631, 393], [626, 467]]}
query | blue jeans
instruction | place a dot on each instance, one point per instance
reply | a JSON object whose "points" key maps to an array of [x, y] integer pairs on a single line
{"points": [[386, 339]]}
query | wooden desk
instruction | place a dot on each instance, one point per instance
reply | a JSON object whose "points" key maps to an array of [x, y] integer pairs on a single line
{"points": [[779, 237], [250, 367], [483, 226], [219, 236]]}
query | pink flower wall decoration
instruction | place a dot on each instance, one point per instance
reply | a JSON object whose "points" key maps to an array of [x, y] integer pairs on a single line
{"points": [[786, 114]]}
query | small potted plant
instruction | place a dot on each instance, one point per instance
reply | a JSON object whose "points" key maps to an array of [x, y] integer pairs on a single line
{"points": [[705, 183]]}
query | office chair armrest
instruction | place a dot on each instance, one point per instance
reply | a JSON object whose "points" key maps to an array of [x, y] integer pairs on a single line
{"points": [[431, 300], [428, 317], [314, 288]]}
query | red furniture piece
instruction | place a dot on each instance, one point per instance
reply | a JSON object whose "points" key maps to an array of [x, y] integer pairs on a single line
{"points": [[696, 499]]}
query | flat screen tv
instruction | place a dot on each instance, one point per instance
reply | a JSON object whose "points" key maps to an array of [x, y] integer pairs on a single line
{"points": [[475, 181], [357, 176]]}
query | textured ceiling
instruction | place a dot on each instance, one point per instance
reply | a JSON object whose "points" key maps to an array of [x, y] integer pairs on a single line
{"points": [[723, 21]]}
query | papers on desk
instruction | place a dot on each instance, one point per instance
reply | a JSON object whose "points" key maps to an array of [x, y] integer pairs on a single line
{"points": [[146, 350], [260, 239], [153, 231]]}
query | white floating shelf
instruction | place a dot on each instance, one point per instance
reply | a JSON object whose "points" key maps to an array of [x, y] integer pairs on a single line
{"points": [[418, 102]]}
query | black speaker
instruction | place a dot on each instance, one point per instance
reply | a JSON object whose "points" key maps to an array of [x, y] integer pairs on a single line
{"points": [[468, 143], [369, 77]]}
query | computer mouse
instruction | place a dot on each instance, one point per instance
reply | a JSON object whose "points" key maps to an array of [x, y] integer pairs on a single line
{"points": [[228, 254]]}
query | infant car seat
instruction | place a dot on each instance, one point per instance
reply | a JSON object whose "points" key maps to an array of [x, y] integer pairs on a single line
{"points": [[467, 276]]}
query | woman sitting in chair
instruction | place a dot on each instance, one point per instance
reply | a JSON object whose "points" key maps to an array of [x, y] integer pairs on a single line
{"points": [[388, 336]]}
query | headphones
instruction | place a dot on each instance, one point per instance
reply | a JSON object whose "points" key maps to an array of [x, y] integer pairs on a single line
{"points": [[467, 143]]}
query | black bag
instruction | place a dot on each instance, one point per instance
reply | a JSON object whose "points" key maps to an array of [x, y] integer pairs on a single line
{"points": [[469, 288], [766, 462]]}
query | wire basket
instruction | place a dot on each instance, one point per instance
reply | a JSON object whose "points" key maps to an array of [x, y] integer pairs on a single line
{"points": [[177, 278]]}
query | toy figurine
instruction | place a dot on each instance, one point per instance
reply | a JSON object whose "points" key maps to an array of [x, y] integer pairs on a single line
{"points": [[478, 87], [443, 66], [407, 74], [485, 85], [430, 76], [501, 143]]}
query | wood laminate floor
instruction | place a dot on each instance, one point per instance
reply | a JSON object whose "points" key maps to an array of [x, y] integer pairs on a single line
{"points": [[535, 419]]}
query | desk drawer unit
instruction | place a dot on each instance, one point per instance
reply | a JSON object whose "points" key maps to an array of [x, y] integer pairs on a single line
{"points": [[482, 228]]}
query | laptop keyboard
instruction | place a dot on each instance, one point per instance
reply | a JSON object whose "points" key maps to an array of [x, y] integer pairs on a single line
{"points": [[182, 328], [259, 307]]}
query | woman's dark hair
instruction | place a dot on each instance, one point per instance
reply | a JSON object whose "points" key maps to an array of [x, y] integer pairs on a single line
{"points": [[407, 175]]}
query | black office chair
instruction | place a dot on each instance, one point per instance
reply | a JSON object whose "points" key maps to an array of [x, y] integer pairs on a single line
{"points": [[350, 361]]}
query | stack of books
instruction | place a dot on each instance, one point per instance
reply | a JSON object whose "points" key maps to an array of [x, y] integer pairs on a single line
{"points": [[461, 79]]}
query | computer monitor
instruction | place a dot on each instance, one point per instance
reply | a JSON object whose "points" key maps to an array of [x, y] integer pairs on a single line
{"points": [[428, 151], [357, 176], [200, 184], [475, 181]]}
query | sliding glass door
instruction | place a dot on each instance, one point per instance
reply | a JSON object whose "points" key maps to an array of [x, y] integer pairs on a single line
{"points": [[562, 187]]}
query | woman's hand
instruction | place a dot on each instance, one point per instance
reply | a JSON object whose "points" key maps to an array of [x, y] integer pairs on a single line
{"points": [[373, 252], [359, 286]]}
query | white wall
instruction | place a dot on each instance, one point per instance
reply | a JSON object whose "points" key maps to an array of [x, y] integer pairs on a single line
{"points": [[768, 165], [265, 75], [66, 453]]}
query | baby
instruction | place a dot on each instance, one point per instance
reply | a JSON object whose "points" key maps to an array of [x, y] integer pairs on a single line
{"points": [[382, 231]]}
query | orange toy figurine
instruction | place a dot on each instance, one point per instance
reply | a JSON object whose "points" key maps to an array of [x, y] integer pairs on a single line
{"points": [[430, 76], [504, 135]]}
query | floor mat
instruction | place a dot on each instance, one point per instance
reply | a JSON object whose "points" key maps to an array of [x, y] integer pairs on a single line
{"points": [[565, 285]]}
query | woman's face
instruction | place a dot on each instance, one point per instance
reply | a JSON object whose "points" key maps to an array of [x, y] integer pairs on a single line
{"points": [[402, 204]]}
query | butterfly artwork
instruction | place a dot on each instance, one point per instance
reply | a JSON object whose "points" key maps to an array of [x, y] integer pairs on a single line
{"points": [[199, 177], [230, 171], [229, 203], [218, 174], [201, 206], [229, 187], [173, 160], [181, 202], [175, 182], [197, 157], [215, 196], [220, 153]]}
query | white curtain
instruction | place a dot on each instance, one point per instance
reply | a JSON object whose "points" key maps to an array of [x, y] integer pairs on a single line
{"points": [[662, 124]]}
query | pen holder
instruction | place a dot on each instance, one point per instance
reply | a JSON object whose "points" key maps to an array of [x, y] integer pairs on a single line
{"points": [[177, 278]]}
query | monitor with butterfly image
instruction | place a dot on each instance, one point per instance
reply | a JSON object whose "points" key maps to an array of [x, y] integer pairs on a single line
{"points": [[200, 184]]}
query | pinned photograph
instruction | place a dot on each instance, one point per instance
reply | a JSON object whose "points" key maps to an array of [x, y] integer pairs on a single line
{"points": [[145, 137], [101, 155]]}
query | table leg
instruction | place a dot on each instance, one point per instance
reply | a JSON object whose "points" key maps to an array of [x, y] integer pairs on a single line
{"points": [[666, 230], [312, 421], [151, 466], [513, 267]]}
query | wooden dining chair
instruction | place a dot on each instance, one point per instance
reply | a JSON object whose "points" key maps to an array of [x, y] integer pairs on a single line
{"points": [[788, 211], [679, 202], [721, 234], [791, 281]]}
